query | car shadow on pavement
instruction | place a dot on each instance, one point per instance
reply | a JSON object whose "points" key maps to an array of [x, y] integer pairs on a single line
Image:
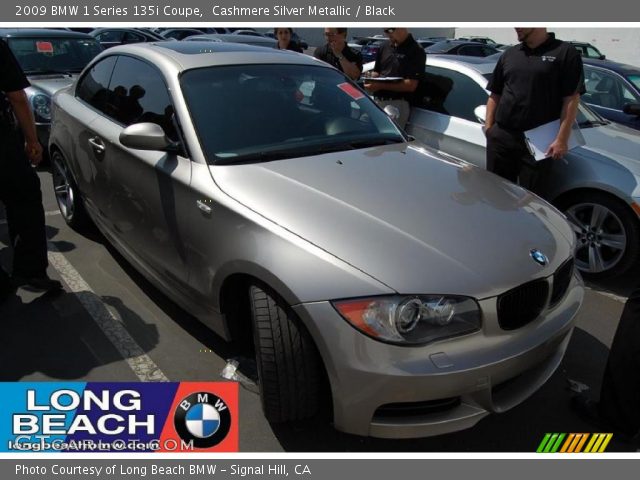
{"points": [[50, 337], [622, 285], [518, 430]]}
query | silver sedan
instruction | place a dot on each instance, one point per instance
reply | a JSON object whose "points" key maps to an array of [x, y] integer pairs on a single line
{"points": [[271, 198], [596, 185]]}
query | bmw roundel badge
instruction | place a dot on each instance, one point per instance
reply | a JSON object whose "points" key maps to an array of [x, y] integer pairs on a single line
{"points": [[202, 418], [539, 257]]}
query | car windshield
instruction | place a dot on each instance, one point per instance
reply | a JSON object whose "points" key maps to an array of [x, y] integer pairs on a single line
{"points": [[250, 113], [54, 55], [635, 80]]}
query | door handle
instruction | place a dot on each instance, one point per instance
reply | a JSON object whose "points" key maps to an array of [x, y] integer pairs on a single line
{"points": [[97, 144], [204, 207]]}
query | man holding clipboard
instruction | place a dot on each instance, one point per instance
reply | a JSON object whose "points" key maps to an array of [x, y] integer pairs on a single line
{"points": [[534, 84]]}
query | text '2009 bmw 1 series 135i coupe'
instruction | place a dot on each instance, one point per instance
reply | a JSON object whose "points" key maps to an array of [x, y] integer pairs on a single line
{"points": [[274, 200]]}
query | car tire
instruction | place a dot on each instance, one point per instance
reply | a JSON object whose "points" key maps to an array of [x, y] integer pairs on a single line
{"points": [[67, 193], [288, 363], [608, 234]]}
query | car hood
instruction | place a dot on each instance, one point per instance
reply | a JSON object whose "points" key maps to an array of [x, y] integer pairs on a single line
{"points": [[615, 141], [50, 84], [415, 222]]}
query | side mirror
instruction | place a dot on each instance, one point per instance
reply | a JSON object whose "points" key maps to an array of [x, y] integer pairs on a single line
{"points": [[145, 136], [481, 113], [631, 108], [392, 112], [602, 57]]}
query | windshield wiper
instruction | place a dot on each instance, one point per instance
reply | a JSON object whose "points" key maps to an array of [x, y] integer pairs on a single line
{"points": [[270, 155], [592, 123], [46, 71]]}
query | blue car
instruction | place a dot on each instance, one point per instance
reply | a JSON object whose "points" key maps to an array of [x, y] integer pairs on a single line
{"points": [[613, 90]]}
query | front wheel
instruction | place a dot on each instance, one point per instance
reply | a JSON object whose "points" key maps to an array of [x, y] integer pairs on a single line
{"points": [[607, 231], [67, 194], [289, 365]]}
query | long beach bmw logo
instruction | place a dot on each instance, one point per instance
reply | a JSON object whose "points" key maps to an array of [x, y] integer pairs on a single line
{"points": [[203, 418], [539, 257]]}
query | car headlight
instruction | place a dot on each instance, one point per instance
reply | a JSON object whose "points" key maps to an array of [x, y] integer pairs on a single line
{"points": [[41, 105], [412, 320]]}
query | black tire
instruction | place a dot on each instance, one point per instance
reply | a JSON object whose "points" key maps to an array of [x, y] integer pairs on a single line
{"points": [[67, 193], [289, 368], [617, 219]]}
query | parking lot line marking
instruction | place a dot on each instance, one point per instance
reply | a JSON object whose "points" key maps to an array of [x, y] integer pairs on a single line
{"points": [[610, 295], [139, 362]]}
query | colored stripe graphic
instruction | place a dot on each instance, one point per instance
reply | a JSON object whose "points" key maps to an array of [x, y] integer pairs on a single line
{"points": [[574, 443]]}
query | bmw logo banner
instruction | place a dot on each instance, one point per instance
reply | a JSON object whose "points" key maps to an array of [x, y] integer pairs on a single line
{"points": [[119, 417]]}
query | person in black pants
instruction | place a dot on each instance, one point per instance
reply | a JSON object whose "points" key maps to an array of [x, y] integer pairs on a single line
{"points": [[19, 183], [403, 58], [619, 404], [534, 83]]}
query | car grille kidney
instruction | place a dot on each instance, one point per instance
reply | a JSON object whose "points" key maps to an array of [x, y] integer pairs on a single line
{"points": [[521, 305]]}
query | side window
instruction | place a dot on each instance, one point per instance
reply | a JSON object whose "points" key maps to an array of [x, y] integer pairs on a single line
{"points": [[451, 93], [131, 37], [110, 36], [607, 90], [593, 53], [470, 50], [93, 86], [137, 93]]}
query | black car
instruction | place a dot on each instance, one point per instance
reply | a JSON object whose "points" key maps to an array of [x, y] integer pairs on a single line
{"points": [[110, 37], [51, 60], [613, 90], [462, 47]]}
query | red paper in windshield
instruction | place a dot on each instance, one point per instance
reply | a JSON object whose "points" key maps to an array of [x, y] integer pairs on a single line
{"points": [[44, 47], [350, 90]]}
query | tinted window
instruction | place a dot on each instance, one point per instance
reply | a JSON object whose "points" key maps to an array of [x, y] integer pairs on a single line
{"points": [[471, 50], [93, 86], [267, 112], [137, 93], [451, 93], [110, 36], [132, 37]]}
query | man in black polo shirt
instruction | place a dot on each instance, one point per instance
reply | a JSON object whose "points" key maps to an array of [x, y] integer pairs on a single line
{"points": [[19, 183], [336, 52], [400, 57], [534, 83]]}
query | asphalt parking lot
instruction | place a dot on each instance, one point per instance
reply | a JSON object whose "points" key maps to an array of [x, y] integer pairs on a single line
{"points": [[111, 325]]}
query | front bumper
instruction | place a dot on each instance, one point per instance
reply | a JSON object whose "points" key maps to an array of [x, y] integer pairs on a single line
{"points": [[390, 391]]}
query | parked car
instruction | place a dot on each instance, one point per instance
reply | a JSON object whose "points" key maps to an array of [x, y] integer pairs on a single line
{"points": [[461, 47], [231, 38], [51, 60], [178, 33], [587, 50], [274, 200], [370, 50], [110, 37], [613, 90], [595, 185], [484, 40]]}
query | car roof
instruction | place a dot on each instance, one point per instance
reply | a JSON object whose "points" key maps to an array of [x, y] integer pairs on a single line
{"points": [[40, 33], [195, 54], [617, 67]]}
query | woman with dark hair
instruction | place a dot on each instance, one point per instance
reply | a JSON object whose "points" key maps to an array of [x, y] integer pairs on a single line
{"points": [[283, 36]]}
